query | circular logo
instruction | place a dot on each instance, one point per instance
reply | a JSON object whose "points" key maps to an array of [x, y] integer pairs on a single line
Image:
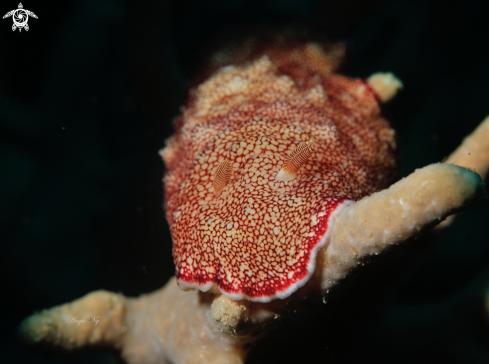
{"points": [[20, 17]]}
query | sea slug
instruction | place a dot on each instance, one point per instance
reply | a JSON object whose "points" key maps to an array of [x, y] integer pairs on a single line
{"points": [[265, 155]]}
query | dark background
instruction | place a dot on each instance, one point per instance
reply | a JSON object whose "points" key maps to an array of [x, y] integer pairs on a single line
{"points": [[87, 97]]}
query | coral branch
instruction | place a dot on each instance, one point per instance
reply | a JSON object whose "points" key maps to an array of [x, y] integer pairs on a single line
{"points": [[392, 216], [473, 153], [177, 326], [174, 326], [385, 85], [95, 319]]}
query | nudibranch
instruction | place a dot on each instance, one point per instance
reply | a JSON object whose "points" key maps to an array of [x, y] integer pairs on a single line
{"points": [[266, 154]]}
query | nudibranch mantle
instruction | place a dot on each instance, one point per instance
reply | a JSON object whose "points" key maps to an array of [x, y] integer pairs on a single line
{"points": [[255, 236]]}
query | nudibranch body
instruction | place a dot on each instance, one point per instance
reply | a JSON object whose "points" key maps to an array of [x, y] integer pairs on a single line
{"points": [[265, 154]]}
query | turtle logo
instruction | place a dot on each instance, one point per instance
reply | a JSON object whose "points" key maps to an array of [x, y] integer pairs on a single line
{"points": [[20, 17]]}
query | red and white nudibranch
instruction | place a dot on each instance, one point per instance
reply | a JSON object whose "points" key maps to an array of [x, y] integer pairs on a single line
{"points": [[265, 155]]}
